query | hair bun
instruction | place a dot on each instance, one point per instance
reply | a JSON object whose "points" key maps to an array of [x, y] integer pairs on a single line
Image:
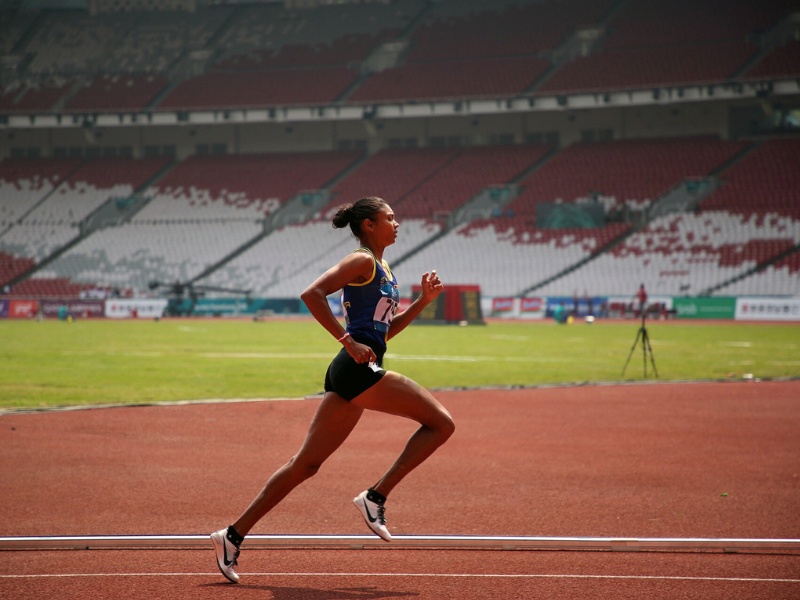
{"points": [[343, 216]]}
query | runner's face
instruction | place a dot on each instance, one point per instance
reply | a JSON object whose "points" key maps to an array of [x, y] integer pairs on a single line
{"points": [[385, 225]]}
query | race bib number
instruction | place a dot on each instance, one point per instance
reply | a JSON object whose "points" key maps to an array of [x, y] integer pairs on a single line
{"points": [[384, 312]]}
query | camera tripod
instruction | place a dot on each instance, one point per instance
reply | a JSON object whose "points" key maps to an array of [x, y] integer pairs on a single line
{"points": [[646, 349]]}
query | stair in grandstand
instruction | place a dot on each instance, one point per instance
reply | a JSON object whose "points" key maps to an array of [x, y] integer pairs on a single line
{"points": [[299, 208], [226, 259], [684, 197], [487, 203], [758, 268], [66, 176], [30, 30], [428, 242], [77, 86], [582, 42], [113, 212], [385, 56], [781, 34], [573, 267], [118, 210], [43, 263]]}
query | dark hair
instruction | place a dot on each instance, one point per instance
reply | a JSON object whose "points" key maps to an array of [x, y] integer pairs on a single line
{"points": [[355, 213]]}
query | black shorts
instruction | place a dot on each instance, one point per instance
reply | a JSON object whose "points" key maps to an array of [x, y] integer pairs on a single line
{"points": [[348, 378]]}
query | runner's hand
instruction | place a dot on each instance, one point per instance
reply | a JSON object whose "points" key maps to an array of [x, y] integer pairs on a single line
{"points": [[432, 286], [361, 353]]}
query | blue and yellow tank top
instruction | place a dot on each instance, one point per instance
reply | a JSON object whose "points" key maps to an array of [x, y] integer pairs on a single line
{"points": [[370, 306]]}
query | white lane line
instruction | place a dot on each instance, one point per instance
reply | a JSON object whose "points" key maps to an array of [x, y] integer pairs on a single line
{"points": [[421, 575]]}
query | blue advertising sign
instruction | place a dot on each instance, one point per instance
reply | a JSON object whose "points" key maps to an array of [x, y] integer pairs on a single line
{"points": [[578, 307]]}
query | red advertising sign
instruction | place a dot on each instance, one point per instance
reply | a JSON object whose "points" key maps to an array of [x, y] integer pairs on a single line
{"points": [[502, 304], [531, 305], [22, 309]]}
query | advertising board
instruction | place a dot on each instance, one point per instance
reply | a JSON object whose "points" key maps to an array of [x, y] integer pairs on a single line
{"points": [[768, 309]]}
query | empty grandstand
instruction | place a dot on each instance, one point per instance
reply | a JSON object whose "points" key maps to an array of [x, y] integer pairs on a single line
{"points": [[536, 148]]}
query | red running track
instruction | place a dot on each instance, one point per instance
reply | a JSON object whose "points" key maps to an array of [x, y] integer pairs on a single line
{"points": [[701, 460]]}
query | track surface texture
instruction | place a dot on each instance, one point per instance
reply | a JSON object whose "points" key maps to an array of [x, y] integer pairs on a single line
{"points": [[688, 460]]}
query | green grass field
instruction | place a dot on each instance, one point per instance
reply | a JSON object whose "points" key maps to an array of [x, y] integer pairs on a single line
{"points": [[54, 363]]}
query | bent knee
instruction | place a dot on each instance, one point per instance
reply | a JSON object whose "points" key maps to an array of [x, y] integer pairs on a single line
{"points": [[446, 427]]}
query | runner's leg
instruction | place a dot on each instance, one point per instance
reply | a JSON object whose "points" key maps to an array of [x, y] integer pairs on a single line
{"points": [[333, 422], [396, 394]]}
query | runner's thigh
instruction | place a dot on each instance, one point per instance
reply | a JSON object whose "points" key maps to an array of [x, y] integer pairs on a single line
{"points": [[396, 394]]}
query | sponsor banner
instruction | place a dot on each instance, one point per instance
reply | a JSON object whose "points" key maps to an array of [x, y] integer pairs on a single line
{"points": [[77, 308], [531, 305], [531, 308], [516, 308], [142, 308], [4, 309], [502, 305], [22, 309], [705, 308], [576, 307], [768, 309], [233, 307], [221, 307]]}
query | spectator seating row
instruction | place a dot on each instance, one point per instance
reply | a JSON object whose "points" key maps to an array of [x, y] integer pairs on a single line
{"points": [[43, 202], [241, 186], [37, 241], [207, 208], [766, 180], [391, 174], [640, 23], [271, 57], [270, 36], [221, 200], [56, 287], [155, 41], [782, 61], [651, 67], [781, 278], [286, 261], [469, 172], [455, 31], [265, 55], [503, 261], [117, 93], [69, 43], [40, 95], [24, 183], [477, 50], [13, 266], [253, 89], [13, 25], [133, 255], [670, 44], [625, 173], [341, 52], [687, 253], [457, 79]]}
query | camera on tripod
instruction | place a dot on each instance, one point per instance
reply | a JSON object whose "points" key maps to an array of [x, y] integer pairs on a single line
{"points": [[644, 337]]}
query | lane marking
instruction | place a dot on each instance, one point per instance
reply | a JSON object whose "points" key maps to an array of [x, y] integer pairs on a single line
{"points": [[423, 575]]}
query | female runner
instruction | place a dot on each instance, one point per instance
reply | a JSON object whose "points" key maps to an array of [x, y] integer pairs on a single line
{"points": [[355, 379]]}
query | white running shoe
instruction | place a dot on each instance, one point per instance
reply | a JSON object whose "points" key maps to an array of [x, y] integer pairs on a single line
{"points": [[373, 514], [227, 553]]}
